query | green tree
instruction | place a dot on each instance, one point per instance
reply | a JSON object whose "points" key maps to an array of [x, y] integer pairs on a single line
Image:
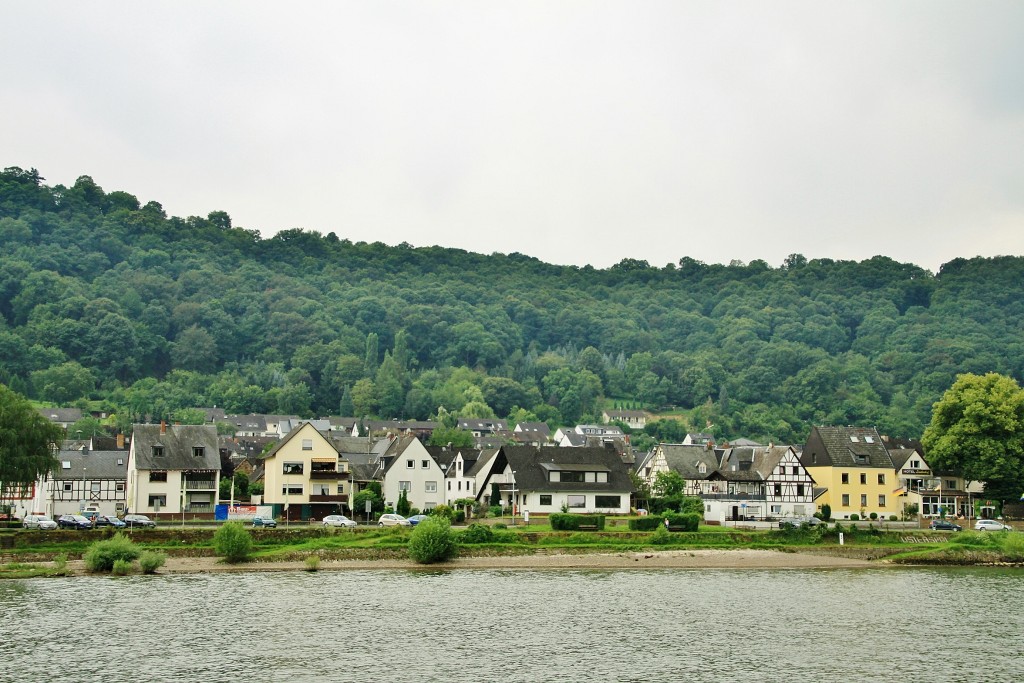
{"points": [[233, 542], [28, 441], [977, 431], [669, 484], [432, 541], [458, 438], [63, 383], [402, 507]]}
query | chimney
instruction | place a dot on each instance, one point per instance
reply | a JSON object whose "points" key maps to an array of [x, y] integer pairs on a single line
{"points": [[163, 426], [120, 441]]}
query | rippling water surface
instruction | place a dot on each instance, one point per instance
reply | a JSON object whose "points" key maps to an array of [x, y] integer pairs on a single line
{"points": [[507, 626]]}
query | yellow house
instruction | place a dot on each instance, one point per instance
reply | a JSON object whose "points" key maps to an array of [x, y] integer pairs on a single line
{"points": [[305, 476], [855, 467]]}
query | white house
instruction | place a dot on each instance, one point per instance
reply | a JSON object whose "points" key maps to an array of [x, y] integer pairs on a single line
{"points": [[173, 470], [408, 466], [84, 478]]}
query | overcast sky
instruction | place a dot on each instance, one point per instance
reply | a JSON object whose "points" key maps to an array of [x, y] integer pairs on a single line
{"points": [[576, 132]]}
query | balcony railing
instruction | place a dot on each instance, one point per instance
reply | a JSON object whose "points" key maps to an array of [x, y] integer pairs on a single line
{"points": [[733, 496], [195, 484], [199, 507], [328, 474], [328, 498]]}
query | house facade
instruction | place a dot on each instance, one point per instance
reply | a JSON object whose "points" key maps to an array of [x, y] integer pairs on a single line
{"points": [[173, 470], [305, 477], [408, 466], [84, 479], [855, 467]]}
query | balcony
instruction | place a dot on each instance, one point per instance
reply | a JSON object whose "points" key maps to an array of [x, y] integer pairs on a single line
{"points": [[333, 475], [739, 495], [199, 507], [200, 485], [328, 498]]}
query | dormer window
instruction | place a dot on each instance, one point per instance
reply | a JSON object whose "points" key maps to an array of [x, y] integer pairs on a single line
{"points": [[158, 451], [198, 451], [703, 469]]}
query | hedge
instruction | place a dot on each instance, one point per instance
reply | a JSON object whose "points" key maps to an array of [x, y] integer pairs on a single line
{"points": [[646, 523], [570, 522], [688, 522]]}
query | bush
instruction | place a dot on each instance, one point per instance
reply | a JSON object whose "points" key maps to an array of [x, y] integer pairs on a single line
{"points": [[460, 516], [854, 517], [150, 561], [874, 516], [233, 542], [476, 533], [432, 541], [501, 525], [494, 511], [689, 521], [443, 511], [570, 522], [826, 512], [121, 568], [101, 555], [312, 563], [893, 518], [647, 523], [661, 536]]}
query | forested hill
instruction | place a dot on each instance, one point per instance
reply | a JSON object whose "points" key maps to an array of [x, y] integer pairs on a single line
{"points": [[104, 298]]}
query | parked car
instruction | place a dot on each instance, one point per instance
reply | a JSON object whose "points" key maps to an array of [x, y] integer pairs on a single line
{"points": [[265, 522], [74, 522], [109, 520], [416, 519], [943, 525], [389, 519], [132, 521], [800, 521], [338, 520], [991, 525], [38, 522]]}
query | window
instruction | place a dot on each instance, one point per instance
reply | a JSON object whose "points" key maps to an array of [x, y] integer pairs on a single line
{"points": [[577, 477], [67, 486], [158, 451], [450, 485], [576, 501], [602, 477], [778, 489], [950, 483], [846, 500], [863, 479], [410, 464], [869, 439], [94, 486], [915, 463], [405, 486], [795, 469], [157, 476], [198, 451], [863, 500], [291, 468], [157, 502], [799, 489], [307, 444], [65, 464], [341, 489], [702, 468], [425, 464], [545, 499], [854, 439], [119, 487], [881, 478], [776, 509], [846, 477], [607, 501], [430, 487], [881, 501], [291, 489]]}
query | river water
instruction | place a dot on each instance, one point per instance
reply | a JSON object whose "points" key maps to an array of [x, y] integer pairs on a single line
{"points": [[507, 626]]}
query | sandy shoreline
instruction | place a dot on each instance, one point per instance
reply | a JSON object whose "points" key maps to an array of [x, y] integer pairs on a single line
{"points": [[665, 559]]}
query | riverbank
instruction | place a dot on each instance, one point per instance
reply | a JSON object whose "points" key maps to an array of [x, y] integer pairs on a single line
{"points": [[665, 559]]}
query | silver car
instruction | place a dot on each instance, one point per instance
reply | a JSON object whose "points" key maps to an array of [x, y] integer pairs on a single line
{"points": [[38, 522], [991, 525], [338, 520], [389, 519]]}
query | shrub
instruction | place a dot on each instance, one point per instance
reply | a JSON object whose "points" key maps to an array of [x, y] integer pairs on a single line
{"points": [[312, 563], [501, 525], [432, 541], [101, 555], [826, 512], [689, 521], [854, 517], [494, 511], [661, 536], [570, 522], [233, 542], [460, 516], [443, 511], [647, 523], [60, 564], [121, 567], [476, 533], [1012, 546], [150, 561], [893, 518], [874, 516]]}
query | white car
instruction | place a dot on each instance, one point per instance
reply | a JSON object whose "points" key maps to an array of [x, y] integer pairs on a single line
{"points": [[38, 522], [338, 520], [389, 519], [991, 525]]}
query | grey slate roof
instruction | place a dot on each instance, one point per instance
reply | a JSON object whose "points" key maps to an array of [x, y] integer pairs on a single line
{"points": [[846, 447], [62, 415], [92, 465], [686, 460], [178, 442], [532, 465]]}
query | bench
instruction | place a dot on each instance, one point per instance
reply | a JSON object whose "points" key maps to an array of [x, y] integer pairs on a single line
{"points": [[587, 527], [675, 528]]}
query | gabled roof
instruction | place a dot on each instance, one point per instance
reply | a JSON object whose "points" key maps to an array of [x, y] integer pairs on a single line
{"points": [[686, 460], [61, 414], [846, 447], [293, 434], [533, 428], [900, 456], [248, 423], [178, 442], [91, 465], [533, 464]]}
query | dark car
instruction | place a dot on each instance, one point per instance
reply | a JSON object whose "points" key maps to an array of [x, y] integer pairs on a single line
{"points": [[265, 522], [132, 521], [110, 520], [74, 522], [943, 525], [416, 519]]}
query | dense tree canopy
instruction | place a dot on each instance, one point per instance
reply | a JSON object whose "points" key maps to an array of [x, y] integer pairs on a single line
{"points": [[106, 297], [977, 430]]}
